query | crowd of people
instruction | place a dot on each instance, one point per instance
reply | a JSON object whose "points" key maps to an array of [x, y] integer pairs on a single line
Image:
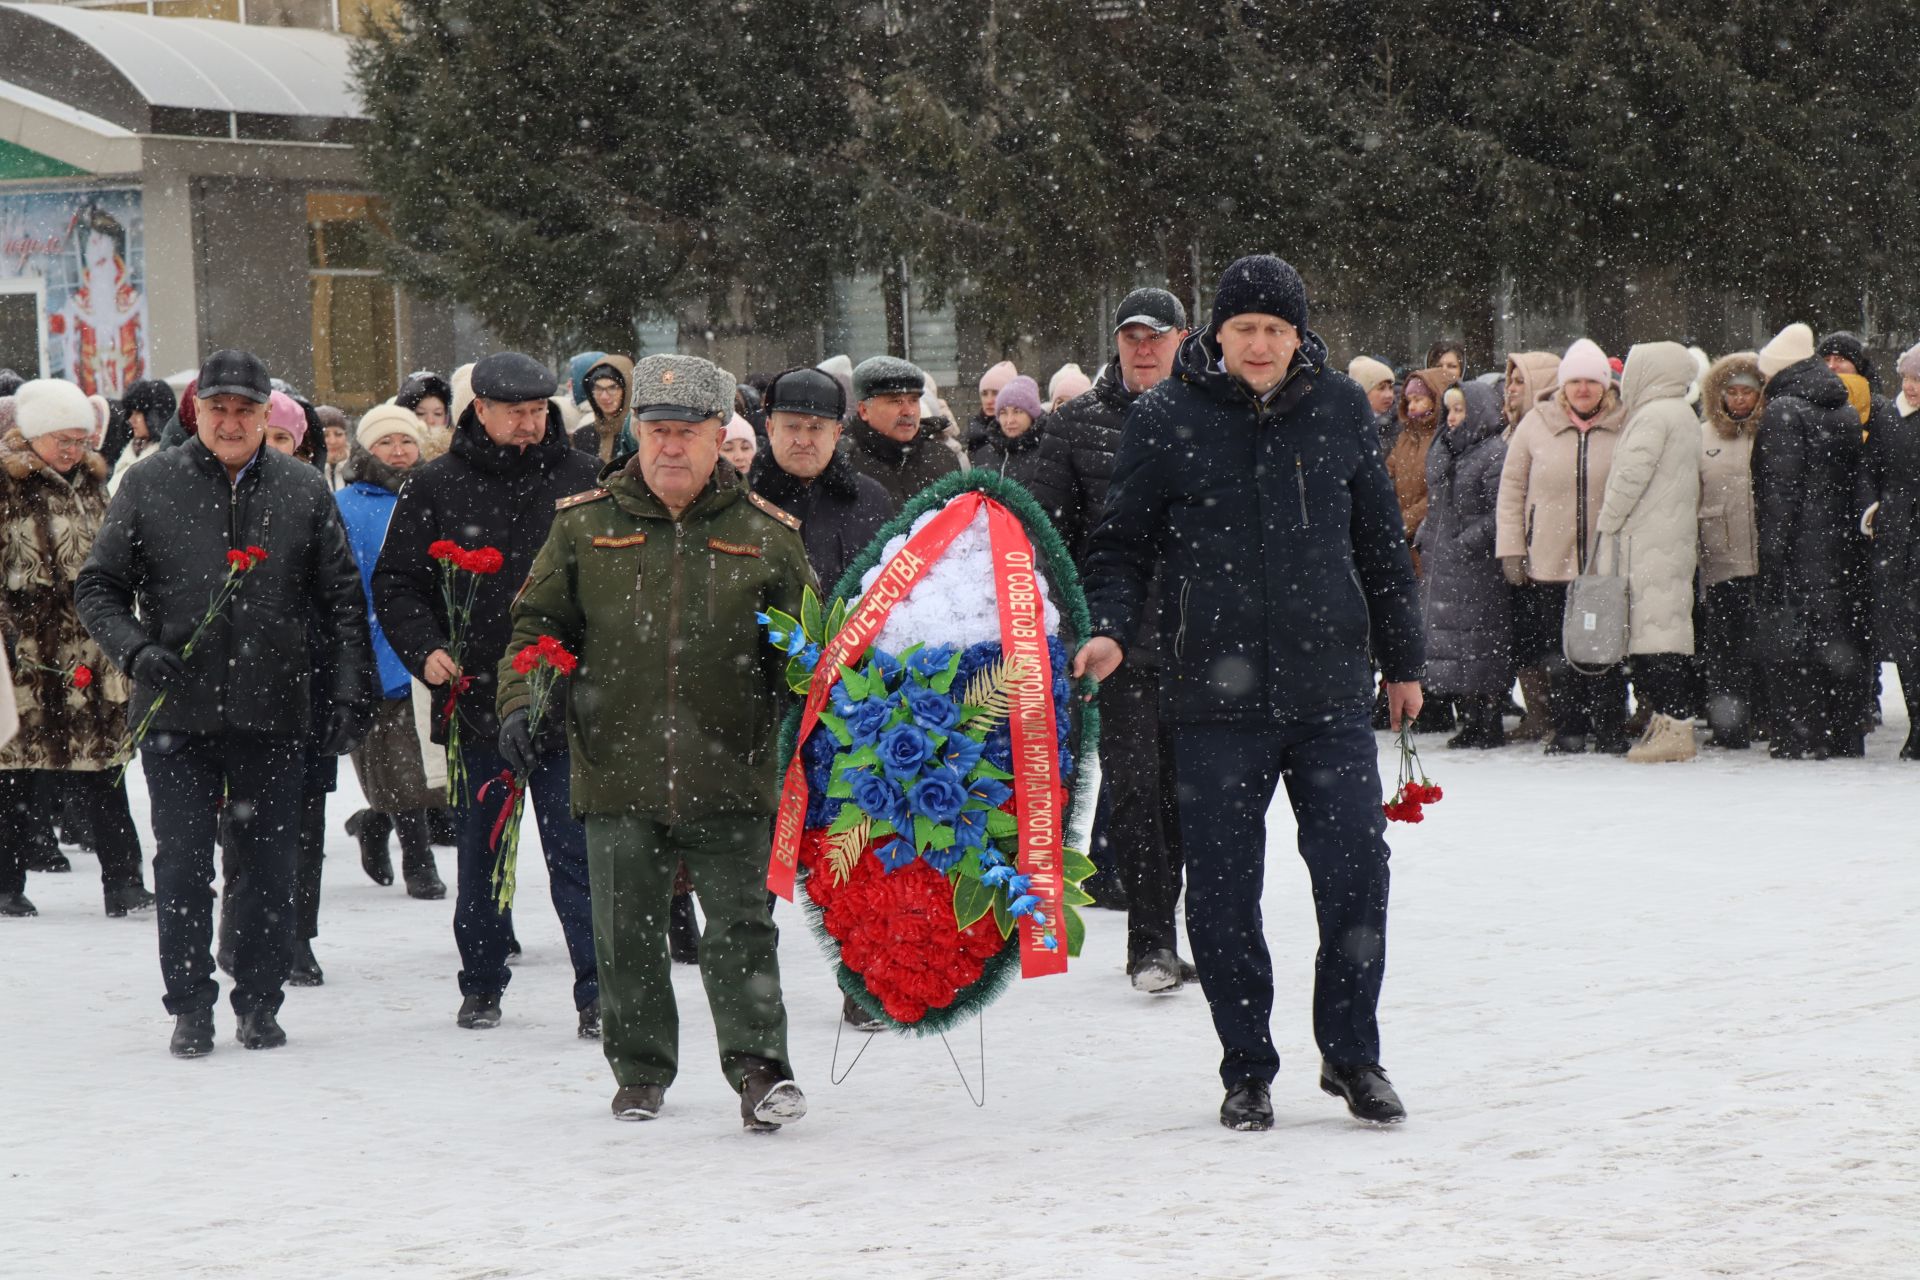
{"points": [[1265, 543]]}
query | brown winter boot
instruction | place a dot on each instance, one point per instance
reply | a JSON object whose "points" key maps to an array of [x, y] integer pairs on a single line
{"points": [[1535, 726]]}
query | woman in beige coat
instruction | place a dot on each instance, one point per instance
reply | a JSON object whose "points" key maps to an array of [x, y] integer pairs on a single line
{"points": [[1731, 400], [1551, 488], [1651, 512]]}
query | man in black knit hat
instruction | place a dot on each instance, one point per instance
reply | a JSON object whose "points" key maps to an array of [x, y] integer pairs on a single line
{"points": [[1253, 478]]}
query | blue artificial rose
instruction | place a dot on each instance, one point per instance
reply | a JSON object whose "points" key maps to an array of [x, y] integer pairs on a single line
{"points": [[931, 661], [904, 749], [932, 711], [938, 796], [876, 795], [866, 718]]}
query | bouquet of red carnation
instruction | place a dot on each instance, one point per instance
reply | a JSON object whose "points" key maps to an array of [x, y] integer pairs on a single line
{"points": [[457, 596], [542, 663], [1413, 790], [239, 561]]}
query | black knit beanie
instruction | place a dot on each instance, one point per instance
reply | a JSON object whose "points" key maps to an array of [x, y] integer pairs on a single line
{"points": [[1265, 284]]}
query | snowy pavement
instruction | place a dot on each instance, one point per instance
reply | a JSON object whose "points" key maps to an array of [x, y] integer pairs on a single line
{"points": [[1649, 1022]]}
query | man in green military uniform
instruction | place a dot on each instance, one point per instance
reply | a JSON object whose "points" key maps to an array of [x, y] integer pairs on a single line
{"points": [[653, 582]]}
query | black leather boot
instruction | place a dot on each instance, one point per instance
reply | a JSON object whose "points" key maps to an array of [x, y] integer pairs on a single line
{"points": [[370, 829], [416, 857], [1248, 1107]]}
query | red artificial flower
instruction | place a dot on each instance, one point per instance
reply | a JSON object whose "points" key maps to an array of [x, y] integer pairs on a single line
{"points": [[527, 659], [258, 553], [82, 676], [240, 560], [443, 550]]}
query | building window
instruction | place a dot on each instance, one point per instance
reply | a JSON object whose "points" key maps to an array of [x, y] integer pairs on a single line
{"points": [[355, 355]]}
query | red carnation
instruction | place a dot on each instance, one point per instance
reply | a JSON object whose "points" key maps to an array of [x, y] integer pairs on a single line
{"points": [[443, 550], [238, 559], [82, 676], [527, 659], [484, 560], [258, 553]]}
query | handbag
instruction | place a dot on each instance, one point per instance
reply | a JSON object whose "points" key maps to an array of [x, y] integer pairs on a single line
{"points": [[1594, 631]]}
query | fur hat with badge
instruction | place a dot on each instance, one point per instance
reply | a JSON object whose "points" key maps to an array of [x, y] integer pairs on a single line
{"points": [[46, 405]]}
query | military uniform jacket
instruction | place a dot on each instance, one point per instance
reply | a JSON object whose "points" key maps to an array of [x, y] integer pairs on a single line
{"points": [[676, 704]]}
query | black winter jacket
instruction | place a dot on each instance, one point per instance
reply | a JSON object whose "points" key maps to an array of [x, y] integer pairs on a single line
{"points": [[1893, 481], [1041, 460], [1806, 464], [1281, 537], [477, 494], [903, 470], [1469, 606], [163, 550], [839, 510]]}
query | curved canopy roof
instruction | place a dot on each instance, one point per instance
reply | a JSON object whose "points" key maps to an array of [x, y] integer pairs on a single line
{"points": [[191, 76]]}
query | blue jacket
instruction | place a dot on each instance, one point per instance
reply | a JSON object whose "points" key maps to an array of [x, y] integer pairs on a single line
{"points": [[1284, 556], [366, 505]]}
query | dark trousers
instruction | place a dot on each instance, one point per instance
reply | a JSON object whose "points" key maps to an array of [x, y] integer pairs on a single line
{"points": [[259, 780], [1580, 703], [1227, 773], [1726, 657], [480, 929], [1139, 835], [28, 801], [1664, 682]]}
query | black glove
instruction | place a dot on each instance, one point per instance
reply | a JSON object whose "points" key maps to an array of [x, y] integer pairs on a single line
{"points": [[159, 667], [516, 743], [347, 725]]}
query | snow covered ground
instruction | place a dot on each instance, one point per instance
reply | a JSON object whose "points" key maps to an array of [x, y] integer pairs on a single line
{"points": [[1649, 1021]]}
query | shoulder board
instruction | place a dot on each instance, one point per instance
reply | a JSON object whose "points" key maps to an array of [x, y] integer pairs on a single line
{"points": [[792, 522], [591, 495]]}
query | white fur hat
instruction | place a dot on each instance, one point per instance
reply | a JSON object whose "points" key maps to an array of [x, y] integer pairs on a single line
{"points": [[46, 405]]}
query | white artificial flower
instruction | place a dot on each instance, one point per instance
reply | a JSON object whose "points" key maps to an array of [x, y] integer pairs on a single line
{"points": [[955, 603]]}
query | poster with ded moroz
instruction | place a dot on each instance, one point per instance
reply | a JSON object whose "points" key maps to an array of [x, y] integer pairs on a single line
{"points": [[73, 286]]}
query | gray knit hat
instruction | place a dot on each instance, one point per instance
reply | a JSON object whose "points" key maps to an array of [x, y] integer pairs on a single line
{"points": [[887, 376], [681, 389]]}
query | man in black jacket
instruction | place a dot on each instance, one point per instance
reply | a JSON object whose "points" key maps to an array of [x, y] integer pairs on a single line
{"points": [[231, 718], [1256, 473], [1140, 834], [509, 463], [888, 441], [803, 473]]}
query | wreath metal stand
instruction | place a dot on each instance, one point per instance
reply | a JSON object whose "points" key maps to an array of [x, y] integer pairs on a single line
{"points": [[978, 1099]]}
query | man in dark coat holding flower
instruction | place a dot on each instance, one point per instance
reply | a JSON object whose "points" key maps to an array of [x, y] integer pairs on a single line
{"points": [[495, 487], [228, 724], [656, 583], [1255, 471]]}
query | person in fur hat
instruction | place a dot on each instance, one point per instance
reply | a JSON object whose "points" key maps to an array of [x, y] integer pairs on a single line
{"points": [[72, 704]]}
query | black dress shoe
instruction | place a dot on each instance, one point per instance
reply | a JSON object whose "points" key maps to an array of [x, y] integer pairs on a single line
{"points": [[479, 1013], [17, 904], [125, 898], [370, 830], [46, 859], [260, 1030], [590, 1022], [1368, 1093], [858, 1018], [305, 970], [1247, 1108], [192, 1034]]}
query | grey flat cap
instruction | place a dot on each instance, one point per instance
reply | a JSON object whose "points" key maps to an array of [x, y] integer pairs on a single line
{"points": [[887, 376], [681, 389]]}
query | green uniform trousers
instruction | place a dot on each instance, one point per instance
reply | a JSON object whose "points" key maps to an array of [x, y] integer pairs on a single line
{"points": [[631, 863]]}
